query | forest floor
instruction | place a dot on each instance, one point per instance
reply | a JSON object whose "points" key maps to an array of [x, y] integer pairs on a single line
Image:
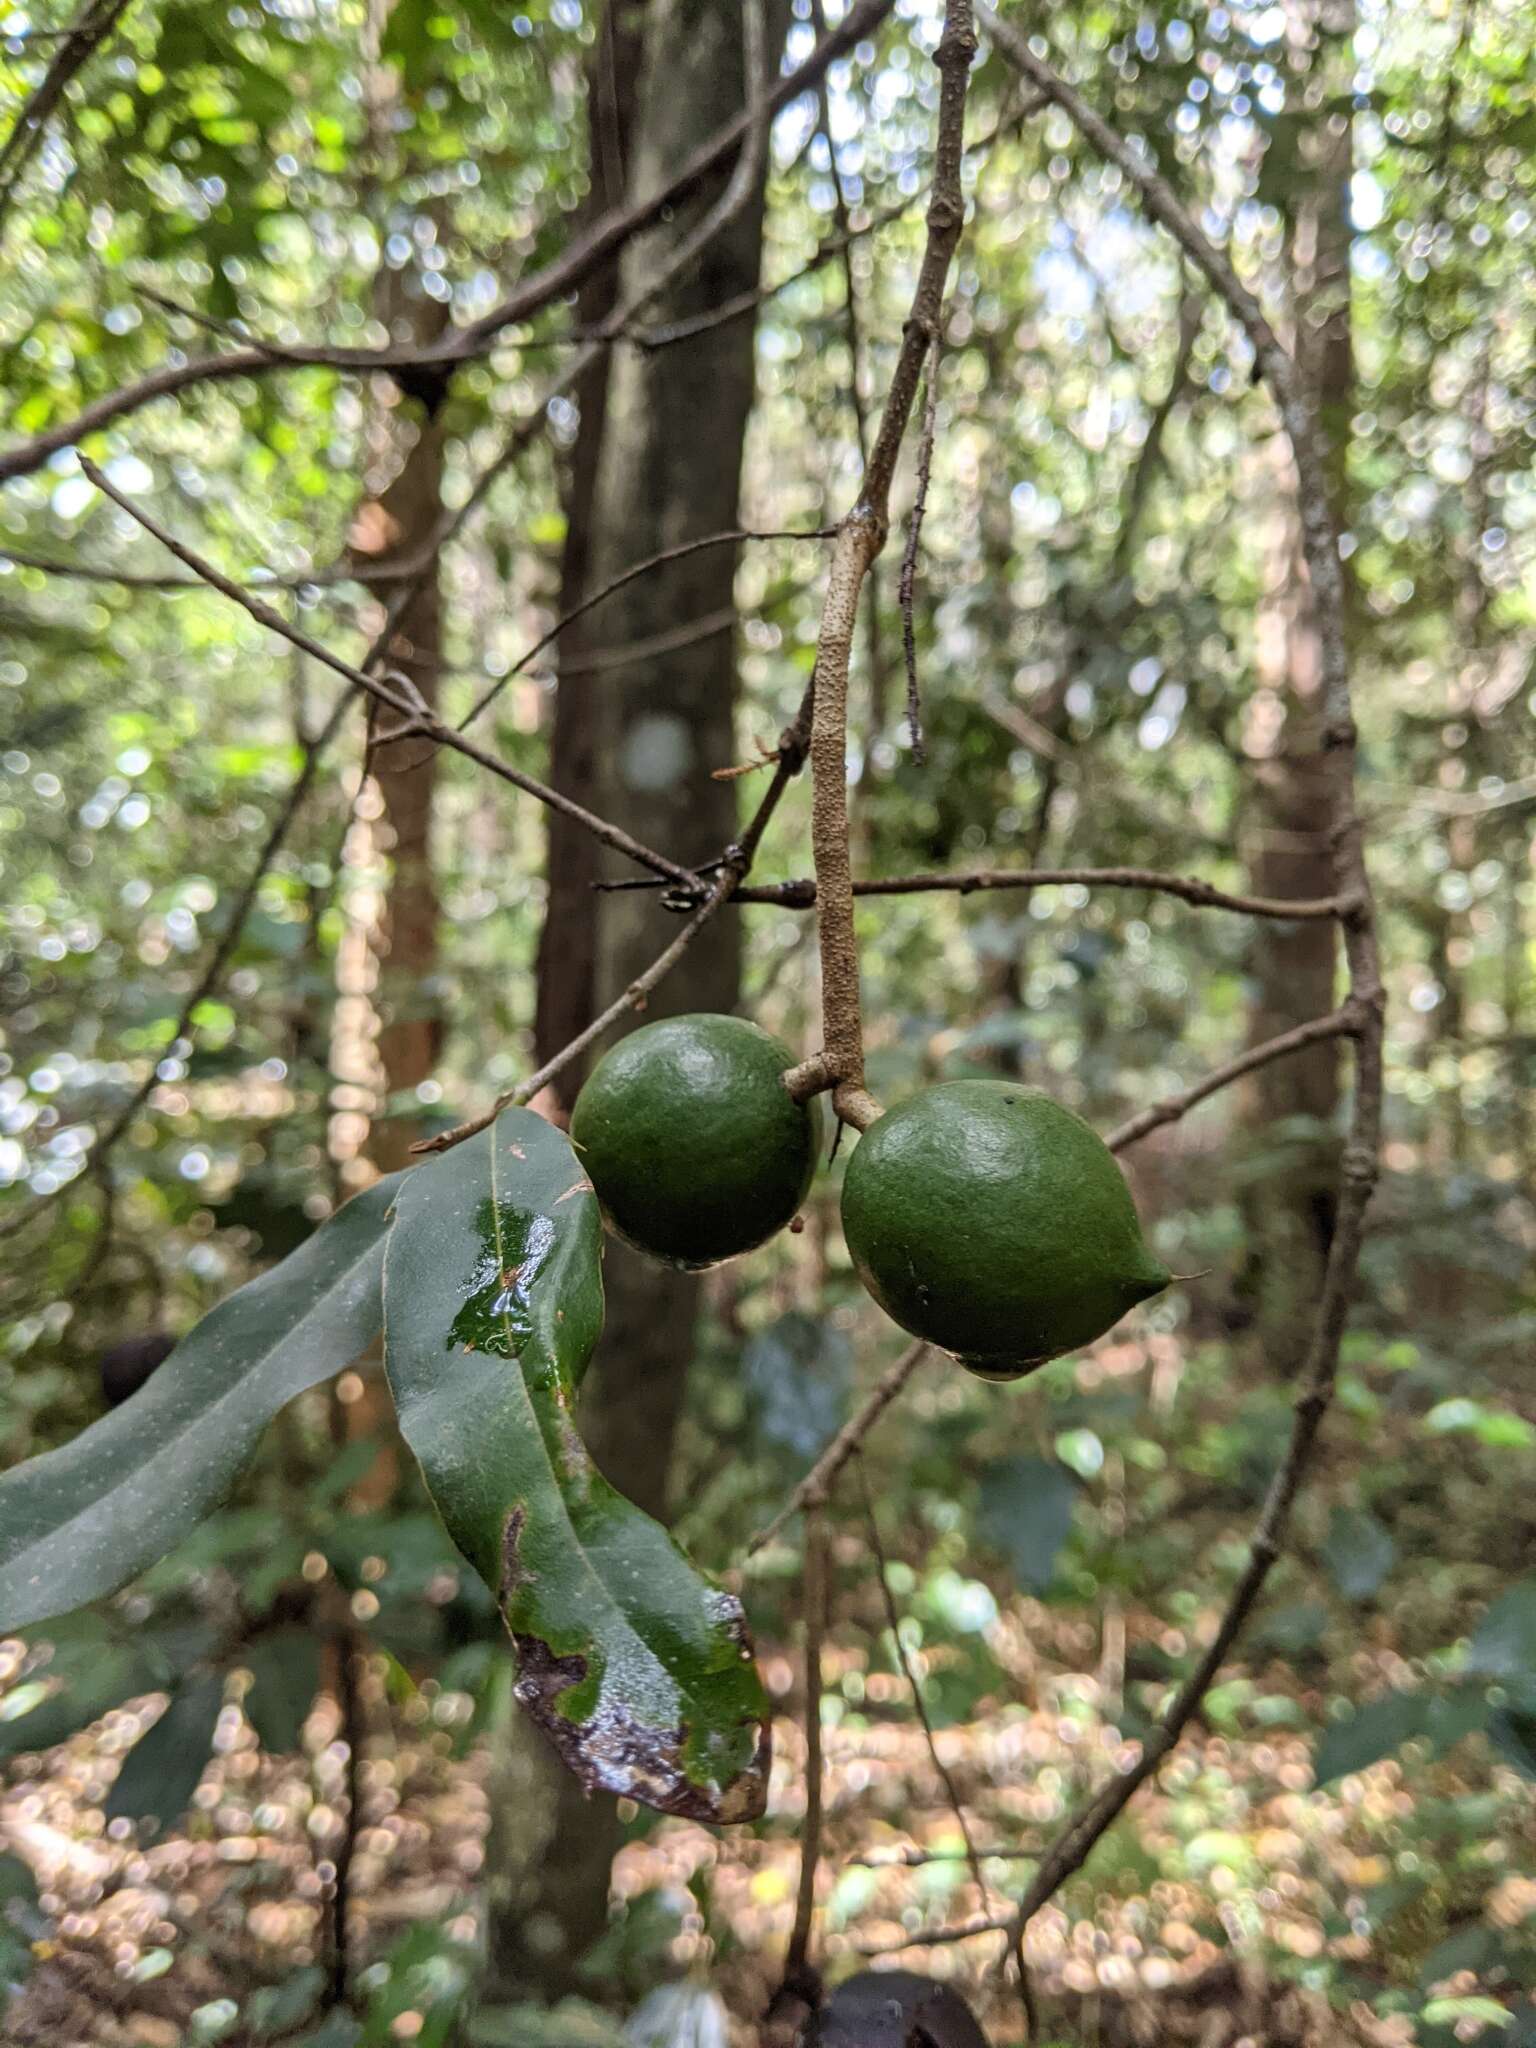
{"points": [[1227, 1902]]}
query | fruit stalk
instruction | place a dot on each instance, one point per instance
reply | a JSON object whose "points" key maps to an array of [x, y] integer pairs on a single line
{"points": [[861, 535]]}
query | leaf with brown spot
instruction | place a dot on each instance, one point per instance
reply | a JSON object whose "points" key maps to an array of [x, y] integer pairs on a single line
{"points": [[637, 1667]]}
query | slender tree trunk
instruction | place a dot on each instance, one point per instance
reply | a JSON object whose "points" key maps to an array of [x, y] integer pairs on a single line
{"points": [[567, 961], [647, 730], [1291, 1105], [403, 941]]}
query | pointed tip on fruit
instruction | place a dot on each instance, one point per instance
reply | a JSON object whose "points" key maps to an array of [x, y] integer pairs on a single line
{"points": [[1152, 1277]]}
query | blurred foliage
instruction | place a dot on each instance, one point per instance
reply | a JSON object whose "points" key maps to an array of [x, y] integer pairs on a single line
{"points": [[1058, 1552]]}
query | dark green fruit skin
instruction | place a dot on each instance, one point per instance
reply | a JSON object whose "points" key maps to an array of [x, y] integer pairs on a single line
{"points": [[986, 1218], [691, 1140]]}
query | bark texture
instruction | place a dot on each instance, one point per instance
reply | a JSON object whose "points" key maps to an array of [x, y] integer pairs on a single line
{"points": [[1292, 1107], [659, 461]]}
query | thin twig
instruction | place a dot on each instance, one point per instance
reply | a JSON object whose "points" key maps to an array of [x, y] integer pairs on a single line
{"points": [[918, 1859], [1360, 1163], [417, 718], [77, 46], [1348, 1022], [814, 1608], [133, 579], [915, 1685], [800, 892], [632, 998], [735, 863], [832, 246], [935, 1937], [731, 538], [907, 584], [1140, 484], [348, 1651], [212, 972], [411, 574], [556, 281], [839, 1066], [816, 1486]]}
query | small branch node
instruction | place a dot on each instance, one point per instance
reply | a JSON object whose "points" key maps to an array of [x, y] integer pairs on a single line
{"points": [[811, 1077], [855, 1105]]}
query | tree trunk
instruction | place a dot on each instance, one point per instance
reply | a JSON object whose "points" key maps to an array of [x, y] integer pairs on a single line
{"points": [[567, 961], [647, 730], [1291, 1105], [403, 942]]}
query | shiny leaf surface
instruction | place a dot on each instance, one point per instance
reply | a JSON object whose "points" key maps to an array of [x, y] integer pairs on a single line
{"points": [[633, 1663]]}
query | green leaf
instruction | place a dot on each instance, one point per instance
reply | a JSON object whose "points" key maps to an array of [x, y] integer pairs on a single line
{"points": [[1512, 1731], [161, 1771], [285, 1676], [116, 1672], [635, 1665], [796, 1375], [1370, 1733], [79, 1522], [279, 2008], [1359, 1552], [1505, 1643], [1025, 1511], [1445, 2011]]}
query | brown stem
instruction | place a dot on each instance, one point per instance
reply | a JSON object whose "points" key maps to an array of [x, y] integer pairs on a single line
{"points": [[1349, 1022], [417, 718], [1365, 1001], [347, 1652], [800, 894], [815, 1610], [915, 1686], [632, 998], [860, 537], [77, 45], [736, 863], [906, 588], [814, 1488], [557, 280], [732, 538]]}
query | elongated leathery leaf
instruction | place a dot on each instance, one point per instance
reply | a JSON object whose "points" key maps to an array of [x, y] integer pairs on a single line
{"points": [[81, 1521], [633, 1663]]}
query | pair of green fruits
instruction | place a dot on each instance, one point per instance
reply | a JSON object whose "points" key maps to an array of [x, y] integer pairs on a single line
{"points": [[981, 1215]]}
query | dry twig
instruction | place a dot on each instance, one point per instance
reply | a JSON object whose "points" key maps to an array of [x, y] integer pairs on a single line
{"points": [[814, 1608], [816, 1486], [862, 534], [556, 281], [416, 718], [1362, 1147]]}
